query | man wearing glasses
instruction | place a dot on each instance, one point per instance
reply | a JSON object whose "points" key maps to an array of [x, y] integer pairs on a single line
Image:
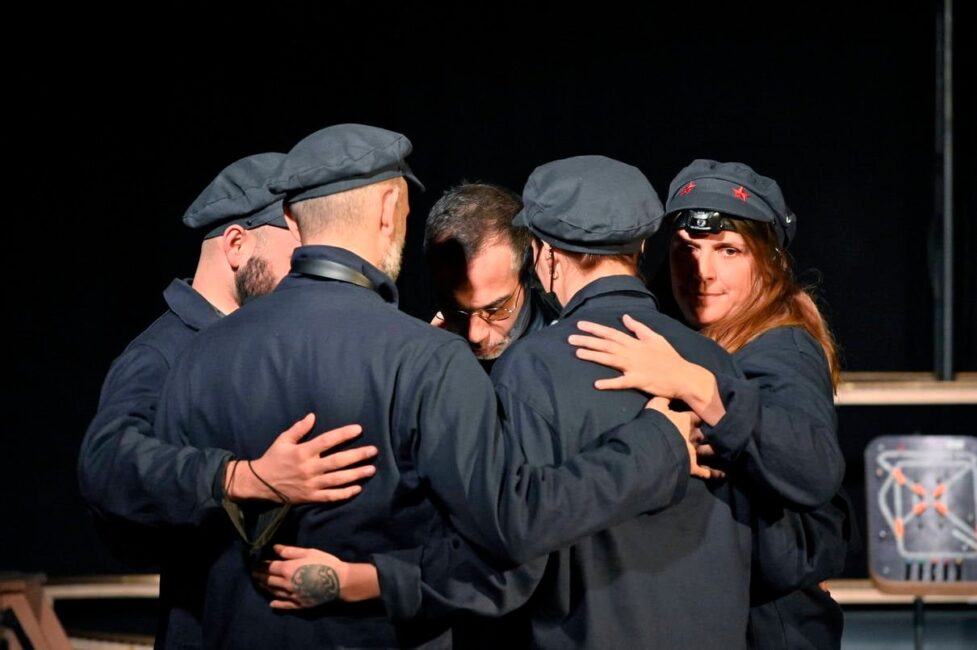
{"points": [[486, 289]]}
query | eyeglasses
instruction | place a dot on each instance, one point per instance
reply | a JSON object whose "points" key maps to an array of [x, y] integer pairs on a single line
{"points": [[488, 314]]}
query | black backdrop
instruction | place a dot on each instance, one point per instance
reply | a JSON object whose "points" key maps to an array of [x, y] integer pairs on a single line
{"points": [[116, 122]]}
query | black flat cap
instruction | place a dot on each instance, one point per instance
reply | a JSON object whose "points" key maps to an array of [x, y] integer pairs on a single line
{"points": [[340, 158], [734, 189], [590, 204], [239, 194]]}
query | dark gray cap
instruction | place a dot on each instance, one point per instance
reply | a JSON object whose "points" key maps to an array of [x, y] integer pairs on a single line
{"points": [[733, 189], [240, 195], [340, 158], [590, 204]]}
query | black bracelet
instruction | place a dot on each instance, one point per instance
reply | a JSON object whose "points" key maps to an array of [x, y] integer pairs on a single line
{"points": [[284, 499]]}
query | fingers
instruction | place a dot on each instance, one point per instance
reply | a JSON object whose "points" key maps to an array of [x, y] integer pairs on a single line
{"points": [[285, 604], [658, 403], [326, 441], [705, 451], [290, 552], [603, 332], [272, 583], [615, 383], [603, 358], [438, 321], [640, 330], [298, 430], [345, 458], [594, 343], [701, 472], [342, 477], [333, 495]]}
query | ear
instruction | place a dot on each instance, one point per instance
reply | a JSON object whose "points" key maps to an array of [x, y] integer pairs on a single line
{"points": [[388, 210], [293, 225], [237, 245]]}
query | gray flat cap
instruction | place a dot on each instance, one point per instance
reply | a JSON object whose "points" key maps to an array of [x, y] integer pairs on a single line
{"points": [[590, 204], [733, 189], [239, 194], [340, 158]]}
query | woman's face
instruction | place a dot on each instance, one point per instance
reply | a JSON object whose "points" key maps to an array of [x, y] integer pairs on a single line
{"points": [[712, 275]]}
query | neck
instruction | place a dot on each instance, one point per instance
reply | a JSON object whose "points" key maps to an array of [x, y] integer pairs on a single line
{"points": [[577, 278], [354, 244], [216, 284]]}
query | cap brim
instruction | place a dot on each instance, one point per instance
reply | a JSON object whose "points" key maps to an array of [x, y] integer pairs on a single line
{"points": [[409, 175], [521, 220], [271, 215], [724, 203]]}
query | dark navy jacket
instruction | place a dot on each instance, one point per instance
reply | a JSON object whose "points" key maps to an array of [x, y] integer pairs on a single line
{"points": [[636, 584], [802, 524], [348, 355], [133, 481], [124, 471], [789, 448]]}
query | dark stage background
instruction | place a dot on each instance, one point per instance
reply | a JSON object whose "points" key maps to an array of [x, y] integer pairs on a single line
{"points": [[112, 131]]}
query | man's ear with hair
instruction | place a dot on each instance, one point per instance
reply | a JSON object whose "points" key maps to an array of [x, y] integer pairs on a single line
{"points": [[237, 244]]}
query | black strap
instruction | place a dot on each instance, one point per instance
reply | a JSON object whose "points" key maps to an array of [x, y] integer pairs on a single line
{"points": [[332, 271]]}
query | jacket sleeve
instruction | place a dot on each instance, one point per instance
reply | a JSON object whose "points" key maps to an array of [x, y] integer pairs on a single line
{"points": [[125, 472], [794, 550], [522, 502], [780, 426], [447, 576], [517, 508]]}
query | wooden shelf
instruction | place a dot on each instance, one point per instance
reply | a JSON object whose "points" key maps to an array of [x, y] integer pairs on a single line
{"points": [[864, 592], [94, 587], [904, 388]]}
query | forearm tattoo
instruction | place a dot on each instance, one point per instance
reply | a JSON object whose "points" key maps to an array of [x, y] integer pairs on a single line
{"points": [[315, 584]]}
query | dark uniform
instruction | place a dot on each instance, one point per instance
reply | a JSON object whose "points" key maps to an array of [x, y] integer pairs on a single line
{"points": [[647, 582], [779, 433], [642, 583], [123, 470], [795, 427], [134, 482], [323, 342]]}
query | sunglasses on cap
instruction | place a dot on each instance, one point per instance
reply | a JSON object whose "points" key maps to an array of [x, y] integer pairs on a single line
{"points": [[702, 221]]}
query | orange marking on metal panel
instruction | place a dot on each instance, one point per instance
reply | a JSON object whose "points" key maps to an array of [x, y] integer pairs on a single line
{"points": [[919, 508], [899, 476], [900, 529], [939, 490]]}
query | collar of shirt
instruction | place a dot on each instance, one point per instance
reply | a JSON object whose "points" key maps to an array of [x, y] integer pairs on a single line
{"points": [[189, 306], [608, 285], [385, 287]]}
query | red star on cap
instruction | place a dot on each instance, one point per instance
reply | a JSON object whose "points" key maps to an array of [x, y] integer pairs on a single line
{"points": [[688, 188], [741, 193]]}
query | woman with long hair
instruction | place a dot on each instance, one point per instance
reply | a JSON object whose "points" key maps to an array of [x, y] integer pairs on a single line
{"points": [[774, 428]]}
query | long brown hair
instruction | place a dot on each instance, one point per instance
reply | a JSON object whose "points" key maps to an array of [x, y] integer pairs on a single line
{"points": [[778, 300]]}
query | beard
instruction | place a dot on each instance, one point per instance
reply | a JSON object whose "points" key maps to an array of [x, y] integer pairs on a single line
{"points": [[496, 350], [253, 280], [392, 259]]}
